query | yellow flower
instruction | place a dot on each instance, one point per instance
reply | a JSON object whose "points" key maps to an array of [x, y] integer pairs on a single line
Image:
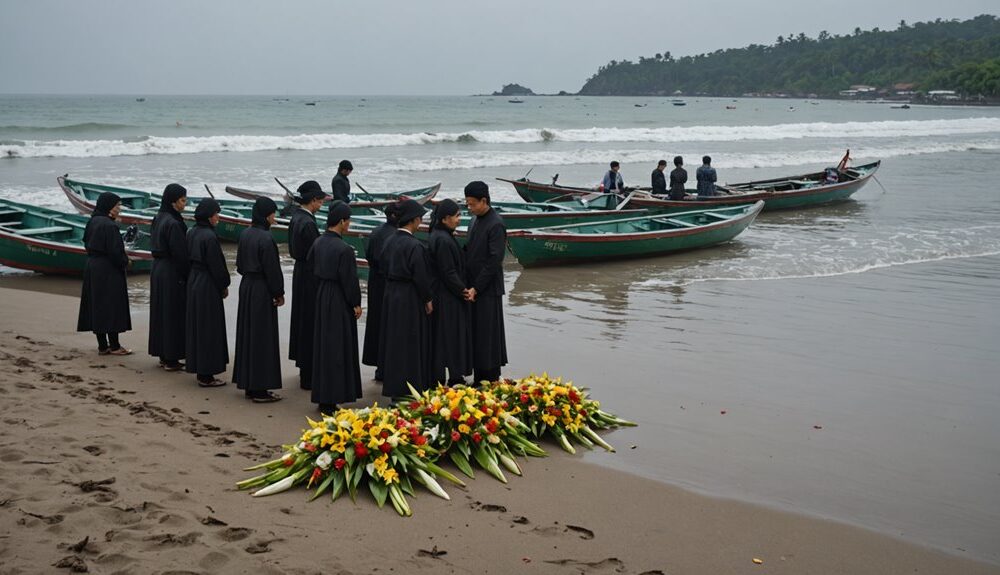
{"points": [[463, 428], [549, 419], [390, 476], [421, 453]]}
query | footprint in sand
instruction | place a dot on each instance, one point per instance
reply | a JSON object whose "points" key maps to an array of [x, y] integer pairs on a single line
{"points": [[236, 533]]}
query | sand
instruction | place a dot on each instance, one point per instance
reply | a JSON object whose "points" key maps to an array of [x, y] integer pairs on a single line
{"points": [[110, 465]]}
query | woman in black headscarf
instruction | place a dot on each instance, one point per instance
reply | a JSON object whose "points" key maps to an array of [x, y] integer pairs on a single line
{"points": [[336, 372], [208, 284], [302, 232], [451, 347], [376, 286], [167, 290], [104, 299], [257, 367]]}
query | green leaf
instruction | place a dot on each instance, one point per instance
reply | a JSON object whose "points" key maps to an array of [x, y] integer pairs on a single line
{"points": [[338, 484], [463, 446], [461, 462], [379, 490], [349, 455], [322, 486], [406, 486], [359, 472], [483, 458]]}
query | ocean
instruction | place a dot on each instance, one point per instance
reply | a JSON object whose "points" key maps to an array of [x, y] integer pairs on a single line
{"points": [[839, 361]]}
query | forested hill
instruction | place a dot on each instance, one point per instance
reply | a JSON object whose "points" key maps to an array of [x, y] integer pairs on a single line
{"points": [[942, 55]]}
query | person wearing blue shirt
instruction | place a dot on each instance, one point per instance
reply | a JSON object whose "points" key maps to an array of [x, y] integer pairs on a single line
{"points": [[612, 182], [706, 178]]}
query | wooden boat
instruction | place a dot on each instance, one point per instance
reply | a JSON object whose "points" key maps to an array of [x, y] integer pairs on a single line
{"points": [[139, 208], [643, 236], [801, 191], [51, 242], [358, 199]]}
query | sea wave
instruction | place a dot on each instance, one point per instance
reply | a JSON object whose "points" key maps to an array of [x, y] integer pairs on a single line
{"points": [[842, 131], [70, 128]]}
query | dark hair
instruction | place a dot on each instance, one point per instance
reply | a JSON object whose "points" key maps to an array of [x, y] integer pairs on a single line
{"points": [[661, 163], [706, 159], [615, 164], [678, 160], [444, 209]]}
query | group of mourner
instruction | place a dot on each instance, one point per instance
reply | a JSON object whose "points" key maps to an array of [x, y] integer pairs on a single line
{"points": [[434, 310]]}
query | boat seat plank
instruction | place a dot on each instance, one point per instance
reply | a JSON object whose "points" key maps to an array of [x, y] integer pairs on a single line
{"points": [[675, 222], [717, 216], [10, 212], [41, 231]]}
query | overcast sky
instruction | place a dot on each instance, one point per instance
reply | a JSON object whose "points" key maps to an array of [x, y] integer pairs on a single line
{"points": [[392, 47]]}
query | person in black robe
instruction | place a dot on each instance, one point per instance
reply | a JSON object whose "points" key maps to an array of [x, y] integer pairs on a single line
{"points": [[407, 307], [341, 184], [104, 298], [302, 232], [451, 345], [257, 366], [207, 285], [484, 254], [336, 371], [376, 287], [167, 281], [658, 182], [384, 255], [678, 177]]}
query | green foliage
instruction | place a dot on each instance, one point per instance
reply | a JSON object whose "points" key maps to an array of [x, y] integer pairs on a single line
{"points": [[514, 90], [944, 54]]}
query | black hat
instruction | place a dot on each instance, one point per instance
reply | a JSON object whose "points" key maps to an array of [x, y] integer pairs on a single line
{"points": [[206, 209], [409, 210], [309, 191], [478, 190], [105, 203], [345, 165], [338, 211], [678, 161], [172, 193], [444, 209], [262, 208]]}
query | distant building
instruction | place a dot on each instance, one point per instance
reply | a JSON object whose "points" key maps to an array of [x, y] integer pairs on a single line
{"points": [[861, 88], [943, 94]]}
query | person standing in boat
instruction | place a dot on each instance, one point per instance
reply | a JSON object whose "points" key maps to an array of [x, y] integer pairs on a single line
{"points": [[376, 287], [612, 182], [104, 297], [208, 284], [658, 179], [341, 184], [336, 371], [257, 367], [302, 232], [705, 174], [168, 280], [451, 346], [678, 177], [407, 308], [484, 253]]}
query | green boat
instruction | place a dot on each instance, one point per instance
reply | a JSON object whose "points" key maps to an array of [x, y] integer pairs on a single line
{"points": [[51, 242], [643, 236], [359, 199], [791, 192]]}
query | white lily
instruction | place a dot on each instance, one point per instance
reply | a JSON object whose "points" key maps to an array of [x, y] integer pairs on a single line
{"points": [[393, 440], [433, 433], [509, 463], [492, 438], [278, 487], [432, 485], [324, 460]]}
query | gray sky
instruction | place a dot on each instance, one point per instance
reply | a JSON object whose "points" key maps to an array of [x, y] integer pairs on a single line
{"points": [[391, 47]]}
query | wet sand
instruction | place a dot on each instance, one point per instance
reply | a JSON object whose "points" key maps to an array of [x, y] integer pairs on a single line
{"points": [[74, 421]]}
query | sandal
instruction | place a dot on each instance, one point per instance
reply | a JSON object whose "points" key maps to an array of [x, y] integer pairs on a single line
{"points": [[216, 382], [269, 398], [120, 351], [172, 366]]}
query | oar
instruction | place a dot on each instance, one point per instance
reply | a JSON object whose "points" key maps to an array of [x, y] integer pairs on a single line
{"points": [[289, 194], [209, 190], [368, 195]]}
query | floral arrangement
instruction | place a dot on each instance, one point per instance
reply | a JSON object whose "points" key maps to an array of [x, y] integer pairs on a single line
{"points": [[391, 449]]}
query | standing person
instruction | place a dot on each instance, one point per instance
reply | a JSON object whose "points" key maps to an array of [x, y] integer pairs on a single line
{"points": [[336, 371], [208, 284], [257, 368], [302, 232], [341, 185], [678, 177], [376, 287], [484, 254], [706, 178], [612, 182], [167, 281], [451, 348], [104, 297], [407, 308], [659, 180]]}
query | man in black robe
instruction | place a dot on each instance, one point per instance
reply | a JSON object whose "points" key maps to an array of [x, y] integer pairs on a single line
{"points": [[407, 308], [341, 185], [657, 180], [678, 177], [302, 232], [104, 298], [484, 253], [376, 287], [167, 281], [207, 285], [257, 367], [451, 344], [336, 371]]}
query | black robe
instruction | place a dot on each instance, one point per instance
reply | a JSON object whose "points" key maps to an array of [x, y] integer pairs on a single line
{"points": [[302, 232], [336, 371], [678, 177], [385, 254], [658, 182], [451, 329], [376, 290], [407, 335], [257, 365], [484, 253], [341, 188], [167, 286], [104, 297], [207, 344]]}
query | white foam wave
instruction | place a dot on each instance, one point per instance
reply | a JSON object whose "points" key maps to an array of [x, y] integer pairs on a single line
{"points": [[843, 131]]}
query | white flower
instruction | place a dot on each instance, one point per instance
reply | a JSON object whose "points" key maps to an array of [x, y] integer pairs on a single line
{"points": [[493, 439], [433, 433], [370, 468], [345, 424], [445, 413], [286, 457], [302, 446], [324, 460], [278, 487], [393, 440]]}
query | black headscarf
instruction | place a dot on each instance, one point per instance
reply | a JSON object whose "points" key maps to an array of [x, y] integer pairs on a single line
{"points": [[338, 211], [392, 213], [478, 190], [205, 210], [444, 209], [262, 208], [171, 194], [105, 202], [309, 191], [409, 210]]}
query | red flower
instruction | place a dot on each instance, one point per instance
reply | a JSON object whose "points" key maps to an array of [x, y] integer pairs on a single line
{"points": [[317, 473], [504, 404], [428, 410], [384, 434], [360, 451], [385, 448], [524, 398], [583, 412], [414, 404], [476, 437], [420, 440], [455, 415], [470, 421], [491, 426], [339, 463], [557, 412], [288, 462], [574, 397], [310, 448], [455, 436]]}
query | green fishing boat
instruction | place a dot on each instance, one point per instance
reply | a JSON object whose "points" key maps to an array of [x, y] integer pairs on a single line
{"points": [[359, 198], [636, 237], [51, 242]]}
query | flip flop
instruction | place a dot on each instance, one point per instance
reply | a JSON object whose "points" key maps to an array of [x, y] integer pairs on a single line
{"points": [[175, 367], [216, 382], [269, 398], [120, 351]]}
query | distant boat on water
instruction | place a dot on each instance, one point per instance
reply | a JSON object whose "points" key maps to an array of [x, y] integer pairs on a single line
{"points": [[140, 99], [901, 107], [678, 102], [516, 101], [310, 103]]}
